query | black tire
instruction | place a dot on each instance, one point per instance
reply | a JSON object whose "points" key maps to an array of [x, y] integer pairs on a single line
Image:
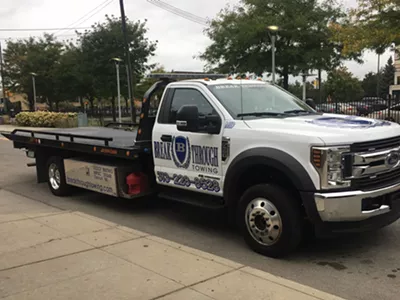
{"points": [[279, 239], [63, 189]]}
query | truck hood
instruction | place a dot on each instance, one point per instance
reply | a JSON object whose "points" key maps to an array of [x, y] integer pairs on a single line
{"points": [[330, 128]]}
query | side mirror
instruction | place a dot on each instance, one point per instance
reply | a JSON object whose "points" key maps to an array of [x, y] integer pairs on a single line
{"points": [[187, 118], [212, 124]]}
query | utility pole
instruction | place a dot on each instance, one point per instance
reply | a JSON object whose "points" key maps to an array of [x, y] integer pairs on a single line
{"points": [[2, 76], [128, 60]]}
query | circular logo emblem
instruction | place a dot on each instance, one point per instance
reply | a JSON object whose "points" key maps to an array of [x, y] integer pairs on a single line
{"points": [[181, 153], [392, 159], [348, 122]]}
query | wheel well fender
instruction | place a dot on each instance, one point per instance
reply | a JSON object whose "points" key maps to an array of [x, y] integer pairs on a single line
{"points": [[253, 161]]}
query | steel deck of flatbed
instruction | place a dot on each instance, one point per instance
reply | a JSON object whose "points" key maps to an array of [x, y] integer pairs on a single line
{"points": [[93, 140], [88, 135]]}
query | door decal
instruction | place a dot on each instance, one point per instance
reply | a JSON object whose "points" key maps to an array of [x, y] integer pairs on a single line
{"points": [[181, 153], [200, 158]]}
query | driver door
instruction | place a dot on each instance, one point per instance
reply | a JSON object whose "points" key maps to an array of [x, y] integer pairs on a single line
{"points": [[184, 159]]}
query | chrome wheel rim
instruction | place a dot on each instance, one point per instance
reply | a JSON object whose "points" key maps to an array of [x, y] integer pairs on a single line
{"points": [[263, 221], [54, 176]]}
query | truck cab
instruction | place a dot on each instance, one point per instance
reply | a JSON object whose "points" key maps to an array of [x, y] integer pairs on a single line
{"points": [[275, 164]]}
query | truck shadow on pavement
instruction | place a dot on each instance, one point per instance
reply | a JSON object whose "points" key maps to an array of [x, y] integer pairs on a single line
{"points": [[215, 223]]}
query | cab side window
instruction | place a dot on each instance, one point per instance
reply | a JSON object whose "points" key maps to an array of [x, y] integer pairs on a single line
{"points": [[188, 96]]}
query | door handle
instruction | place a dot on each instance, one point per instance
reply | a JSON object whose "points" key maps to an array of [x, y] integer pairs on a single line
{"points": [[166, 138]]}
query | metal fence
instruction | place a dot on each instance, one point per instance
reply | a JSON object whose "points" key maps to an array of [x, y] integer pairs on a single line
{"points": [[371, 107]]}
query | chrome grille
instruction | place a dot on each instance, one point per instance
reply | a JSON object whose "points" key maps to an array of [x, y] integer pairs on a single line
{"points": [[374, 169], [376, 145], [378, 181]]}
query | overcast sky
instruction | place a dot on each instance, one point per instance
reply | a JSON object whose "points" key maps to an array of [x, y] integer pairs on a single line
{"points": [[179, 39]]}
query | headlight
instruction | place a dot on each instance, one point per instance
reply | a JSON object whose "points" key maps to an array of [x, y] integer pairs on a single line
{"points": [[329, 163]]}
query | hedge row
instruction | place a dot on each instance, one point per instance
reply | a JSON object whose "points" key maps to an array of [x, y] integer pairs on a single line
{"points": [[47, 119]]}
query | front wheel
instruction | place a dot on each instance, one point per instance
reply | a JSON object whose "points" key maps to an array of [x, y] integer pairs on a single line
{"points": [[56, 177], [270, 220]]}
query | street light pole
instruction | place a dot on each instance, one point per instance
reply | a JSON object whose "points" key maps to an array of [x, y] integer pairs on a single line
{"points": [[272, 29], [119, 94], [273, 58], [34, 90], [117, 61]]}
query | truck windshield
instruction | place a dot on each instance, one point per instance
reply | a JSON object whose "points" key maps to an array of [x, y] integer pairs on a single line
{"points": [[255, 100]]}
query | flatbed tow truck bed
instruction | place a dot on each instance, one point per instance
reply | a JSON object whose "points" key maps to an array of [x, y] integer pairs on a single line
{"points": [[102, 140]]}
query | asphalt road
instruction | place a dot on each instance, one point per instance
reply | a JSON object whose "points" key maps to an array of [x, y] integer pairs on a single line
{"points": [[364, 266]]}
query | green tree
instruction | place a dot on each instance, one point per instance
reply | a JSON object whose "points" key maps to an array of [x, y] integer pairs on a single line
{"points": [[240, 41], [40, 56], [373, 24], [104, 42], [342, 86], [387, 78], [369, 84]]}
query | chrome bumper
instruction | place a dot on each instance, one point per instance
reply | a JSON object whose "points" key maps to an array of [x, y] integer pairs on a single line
{"points": [[347, 206]]}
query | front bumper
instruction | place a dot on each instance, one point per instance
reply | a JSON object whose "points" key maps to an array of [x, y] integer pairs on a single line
{"points": [[353, 206]]}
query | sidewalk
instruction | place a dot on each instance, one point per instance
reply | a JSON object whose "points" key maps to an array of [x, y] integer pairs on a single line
{"points": [[47, 253]]}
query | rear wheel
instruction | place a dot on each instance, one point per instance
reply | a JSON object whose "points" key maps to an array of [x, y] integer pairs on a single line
{"points": [[270, 220], [56, 177]]}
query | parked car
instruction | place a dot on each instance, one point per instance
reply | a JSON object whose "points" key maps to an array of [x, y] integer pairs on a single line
{"points": [[363, 109], [391, 114], [330, 108], [347, 108]]}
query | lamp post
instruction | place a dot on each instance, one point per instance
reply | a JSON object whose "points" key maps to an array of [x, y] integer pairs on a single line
{"points": [[272, 29], [117, 61], [34, 90]]}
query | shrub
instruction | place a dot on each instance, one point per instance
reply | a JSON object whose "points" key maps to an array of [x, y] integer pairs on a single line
{"points": [[47, 119]]}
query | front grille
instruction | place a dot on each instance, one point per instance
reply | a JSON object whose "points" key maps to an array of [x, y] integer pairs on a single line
{"points": [[377, 144], [381, 180]]}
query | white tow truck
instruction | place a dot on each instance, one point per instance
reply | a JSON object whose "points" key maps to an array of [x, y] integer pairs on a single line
{"points": [[272, 161]]}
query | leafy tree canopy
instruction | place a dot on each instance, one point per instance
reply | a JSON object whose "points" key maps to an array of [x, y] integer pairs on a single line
{"points": [[67, 71], [342, 86], [373, 24], [40, 56], [240, 41], [104, 42]]}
